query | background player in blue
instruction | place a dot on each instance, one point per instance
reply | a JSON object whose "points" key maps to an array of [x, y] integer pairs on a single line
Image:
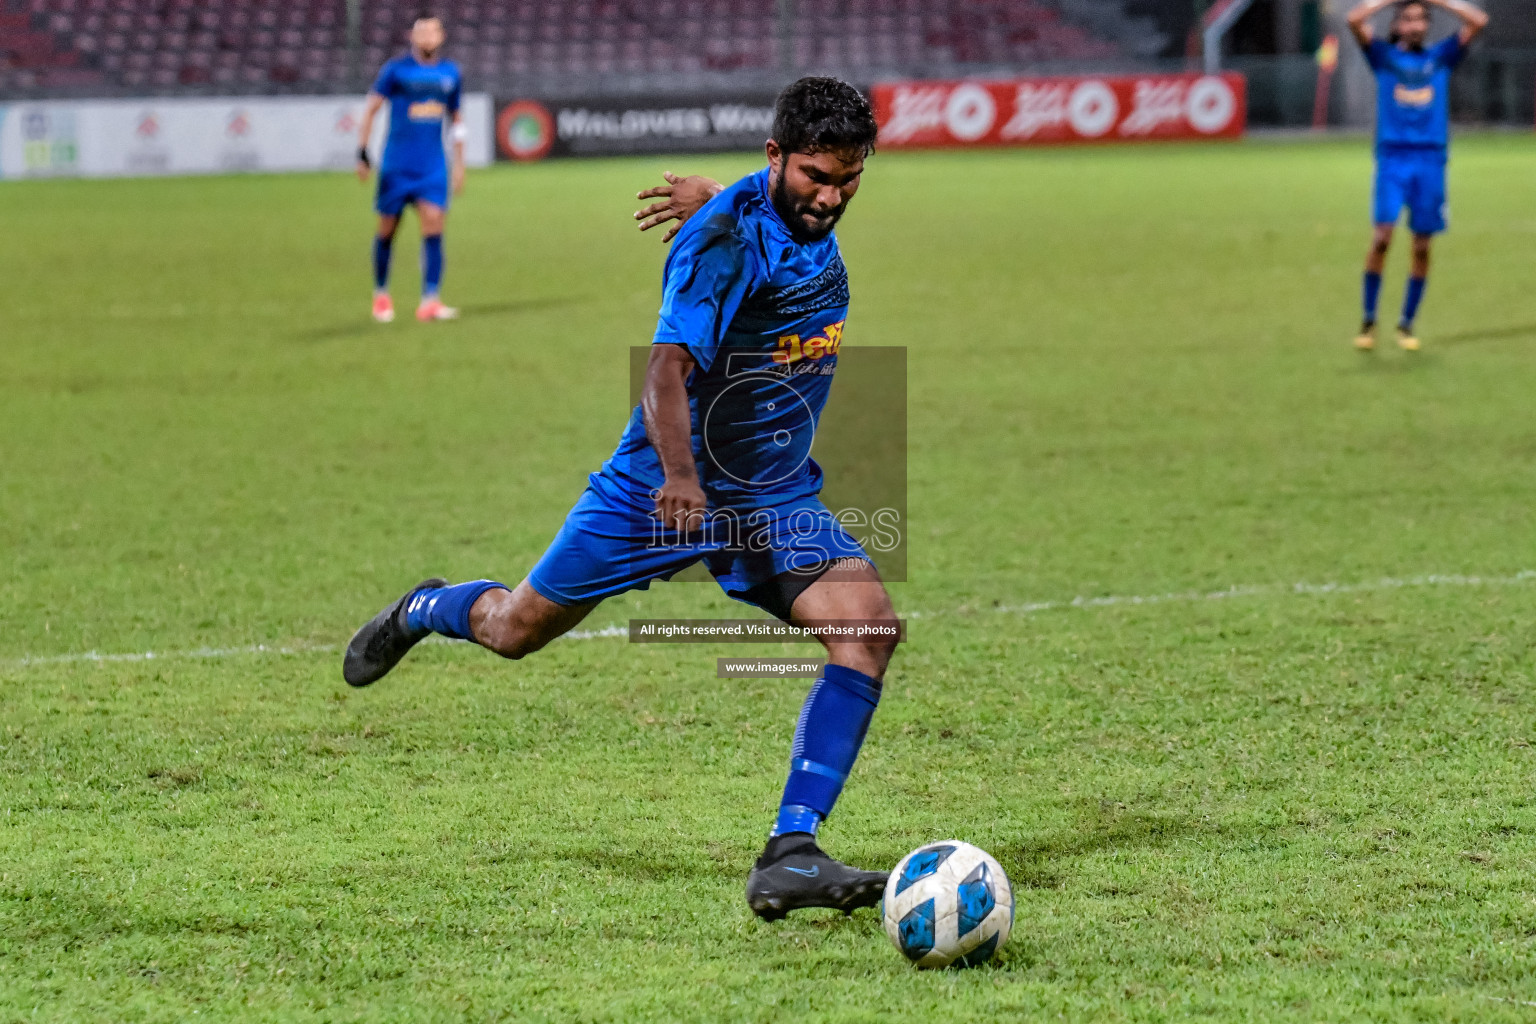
{"points": [[1413, 134], [423, 92], [714, 466]]}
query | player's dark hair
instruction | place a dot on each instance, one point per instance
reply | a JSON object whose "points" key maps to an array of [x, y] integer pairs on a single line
{"points": [[426, 14], [815, 115], [1402, 8]]}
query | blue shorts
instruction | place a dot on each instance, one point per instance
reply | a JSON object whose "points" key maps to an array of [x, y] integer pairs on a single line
{"points": [[611, 542], [1414, 180], [397, 189]]}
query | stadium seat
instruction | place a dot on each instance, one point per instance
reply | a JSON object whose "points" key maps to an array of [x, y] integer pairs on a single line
{"points": [[281, 43]]}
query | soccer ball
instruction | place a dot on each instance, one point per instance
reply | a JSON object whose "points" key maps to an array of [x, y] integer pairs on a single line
{"points": [[948, 903]]}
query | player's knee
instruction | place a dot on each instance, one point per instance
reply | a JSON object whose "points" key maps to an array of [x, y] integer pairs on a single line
{"points": [[874, 652], [1380, 244], [511, 639], [879, 657], [516, 651], [524, 634]]}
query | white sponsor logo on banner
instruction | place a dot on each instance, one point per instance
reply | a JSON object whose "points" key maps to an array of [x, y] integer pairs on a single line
{"points": [[915, 110], [677, 123], [1210, 105], [970, 112], [1036, 107], [1064, 109], [731, 118], [1093, 109], [1155, 104], [1207, 104]]}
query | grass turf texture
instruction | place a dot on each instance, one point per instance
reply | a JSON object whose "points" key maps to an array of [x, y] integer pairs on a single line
{"points": [[1132, 375]]}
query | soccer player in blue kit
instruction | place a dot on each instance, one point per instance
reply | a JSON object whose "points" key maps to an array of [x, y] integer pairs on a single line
{"points": [[1412, 140], [423, 92], [714, 466]]}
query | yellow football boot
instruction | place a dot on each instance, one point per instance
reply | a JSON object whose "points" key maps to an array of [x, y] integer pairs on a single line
{"points": [[1365, 341], [1407, 340]]}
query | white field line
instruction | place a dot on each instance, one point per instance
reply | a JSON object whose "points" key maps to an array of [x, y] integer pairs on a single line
{"points": [[1501, 999], [1261, 590], [1030, 608]]}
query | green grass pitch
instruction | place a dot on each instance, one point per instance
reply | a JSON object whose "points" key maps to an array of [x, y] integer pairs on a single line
{"points": [[1131, 377]]}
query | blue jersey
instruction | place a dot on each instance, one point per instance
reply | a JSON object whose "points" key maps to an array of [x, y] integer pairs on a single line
{"points": [[1413, 109], [422, 97], [762, 315]]}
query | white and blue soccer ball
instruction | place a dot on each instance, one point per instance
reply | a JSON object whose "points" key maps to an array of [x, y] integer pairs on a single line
{"points": [[948, 903]]}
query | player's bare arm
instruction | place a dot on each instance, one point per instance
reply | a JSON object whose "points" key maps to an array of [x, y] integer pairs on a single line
{"points": [[1473, 19], [680, 198], [458, 132], [680, 500], [1360, 19], [365, 132]]}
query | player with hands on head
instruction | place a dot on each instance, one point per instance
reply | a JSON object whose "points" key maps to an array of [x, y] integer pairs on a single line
{"points": [[1412, 140], [423, 92]]}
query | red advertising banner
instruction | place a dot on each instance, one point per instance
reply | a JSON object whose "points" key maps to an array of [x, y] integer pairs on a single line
{"points": [[1026, 111]]}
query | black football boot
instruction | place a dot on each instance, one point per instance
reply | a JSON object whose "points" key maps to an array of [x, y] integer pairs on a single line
{"points": [[793, 873], [383, 641]]}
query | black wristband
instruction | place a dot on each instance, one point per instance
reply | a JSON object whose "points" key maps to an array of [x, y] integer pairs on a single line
{"points": [[362, 156]]}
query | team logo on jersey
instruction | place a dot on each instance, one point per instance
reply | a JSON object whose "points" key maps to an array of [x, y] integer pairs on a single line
{"points": [[792, 348], [426, 110], [1407, 97]]}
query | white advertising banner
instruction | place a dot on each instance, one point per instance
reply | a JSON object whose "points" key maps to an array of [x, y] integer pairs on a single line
{"points": [[116, 138]]}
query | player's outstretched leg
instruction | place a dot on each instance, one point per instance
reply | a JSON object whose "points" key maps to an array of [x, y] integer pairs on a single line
{"points": [[793, 872], [512, 623]]}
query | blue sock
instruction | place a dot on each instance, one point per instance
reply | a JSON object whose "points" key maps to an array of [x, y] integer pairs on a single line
{"points": [[445, 610], [827, 740], [381, 249], [1412, 299], [1372, 295], [431, 265]]}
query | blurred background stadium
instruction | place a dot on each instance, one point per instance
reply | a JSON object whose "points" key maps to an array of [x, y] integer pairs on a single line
{"points": [[623, 48]]}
